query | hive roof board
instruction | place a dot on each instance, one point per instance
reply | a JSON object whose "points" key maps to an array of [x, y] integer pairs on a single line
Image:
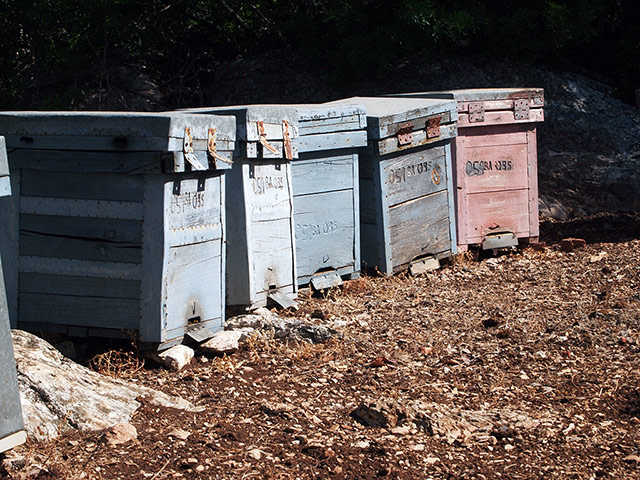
{"points": [[385, 115], [483, 94], [313, 127], [195, 140], [119, 131]]}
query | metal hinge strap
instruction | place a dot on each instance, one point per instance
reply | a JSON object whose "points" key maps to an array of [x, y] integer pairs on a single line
{"points": [[263, 138], [521, 109], [433, 127], [405, 134], [476, 112], [189, 153], [288, 149], [213, 149]]}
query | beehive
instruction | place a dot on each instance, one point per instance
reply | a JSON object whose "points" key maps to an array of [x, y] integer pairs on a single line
{"points": [[406, 197], [495, 164], [325, 193], [261, 238], [116, 224], [11, 424]]}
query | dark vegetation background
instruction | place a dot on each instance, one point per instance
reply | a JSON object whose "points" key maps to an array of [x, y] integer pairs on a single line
{"points": [[159, 54]]}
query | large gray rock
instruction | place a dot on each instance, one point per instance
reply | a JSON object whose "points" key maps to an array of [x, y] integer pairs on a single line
{"points": [[282, 328], [58, 395]]}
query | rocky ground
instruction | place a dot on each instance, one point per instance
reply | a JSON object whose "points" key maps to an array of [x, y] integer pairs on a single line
{"points": [[525, 365]]}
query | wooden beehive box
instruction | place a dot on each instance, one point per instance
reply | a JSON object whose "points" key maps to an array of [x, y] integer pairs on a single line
{"points": [[11, 424], [495, 165], [261, 241], [406, 203], [116, 223], [325, 193]]}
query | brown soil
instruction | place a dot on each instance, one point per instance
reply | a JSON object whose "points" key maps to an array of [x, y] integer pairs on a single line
{"points": [[551, 339]]}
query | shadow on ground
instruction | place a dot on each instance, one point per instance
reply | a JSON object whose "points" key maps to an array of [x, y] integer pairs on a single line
{"points": [[598, 228]]}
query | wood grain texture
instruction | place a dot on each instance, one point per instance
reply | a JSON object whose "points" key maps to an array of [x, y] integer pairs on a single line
{"points": [[85, 268], [79, 286], [497, 210], [331, 141], [326, 213], [323, 172], [112, 131], [391, 144], [105, 162], [504, 167], [91, 186], [193, 285], [415, 180], [500, 118], [325, 232], [532, 174], [414, 174], [9, 241], [384, 114], [80, 311], [80, 207], [488, 147], [261, 244], [418, 228]]}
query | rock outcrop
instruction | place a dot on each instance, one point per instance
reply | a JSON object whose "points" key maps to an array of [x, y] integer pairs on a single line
{"points": [[59, 395]]}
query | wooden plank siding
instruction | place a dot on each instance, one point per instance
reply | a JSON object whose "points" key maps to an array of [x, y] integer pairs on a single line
{"points": [[116, 243], [12, 425]]}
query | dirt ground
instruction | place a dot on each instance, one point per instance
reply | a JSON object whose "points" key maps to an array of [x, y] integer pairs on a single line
{"points": [[524, 365]]}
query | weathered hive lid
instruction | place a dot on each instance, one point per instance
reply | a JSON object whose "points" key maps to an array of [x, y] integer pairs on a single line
{"points": [[330, 127], [310, 127], [5, 185], [190, 137], [400, 123], [525, 103], [263, 131]]}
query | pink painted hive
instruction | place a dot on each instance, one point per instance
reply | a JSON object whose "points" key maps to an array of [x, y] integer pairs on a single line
{"points": [[495, 165]]}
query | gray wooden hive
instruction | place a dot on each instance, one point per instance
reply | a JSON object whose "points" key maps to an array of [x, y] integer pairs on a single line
{"points": [[116, 224], [325, 192], [11, 423], [407, 214], [260, 229]]}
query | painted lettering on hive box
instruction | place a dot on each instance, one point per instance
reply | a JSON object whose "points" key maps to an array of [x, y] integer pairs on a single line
{"points": [[480, 167], [312, 230], [262, 184], [401, 174], [187, 201]]}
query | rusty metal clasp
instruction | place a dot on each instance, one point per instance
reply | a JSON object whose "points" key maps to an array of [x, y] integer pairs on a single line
{"points": [[212, 148], [288, 149], [263, 138], [433, 127], [405, 134], [189, 153]]}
